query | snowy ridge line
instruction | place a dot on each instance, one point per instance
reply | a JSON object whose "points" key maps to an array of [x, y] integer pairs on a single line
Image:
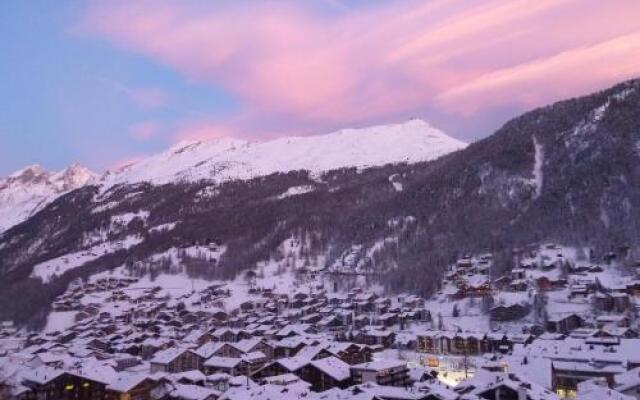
{"points": [[228, 159]]}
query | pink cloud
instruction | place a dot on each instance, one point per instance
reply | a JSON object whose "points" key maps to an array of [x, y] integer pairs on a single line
{"points": [[608, 61], [204, 129], [144, 130], [290, 63]]}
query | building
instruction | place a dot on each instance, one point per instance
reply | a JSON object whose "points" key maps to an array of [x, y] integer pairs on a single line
{"points": [[326, 373], [382, 372], [130, 386], [175, 359], [563, 323], [508, 312], [48, 383]]}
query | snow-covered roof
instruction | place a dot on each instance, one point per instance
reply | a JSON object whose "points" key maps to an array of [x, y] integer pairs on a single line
{"points": [[334, 367], [380, 365]]}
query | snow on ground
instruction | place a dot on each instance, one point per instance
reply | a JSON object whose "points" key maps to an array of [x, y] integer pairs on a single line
{"points": [[210, 252], [59, 321], [395, 181], [296, 190], [224, 159], [29, 190], [58, 266], [278, 275], [124, 219], [470, 319], [537, 166], [163, 227]]}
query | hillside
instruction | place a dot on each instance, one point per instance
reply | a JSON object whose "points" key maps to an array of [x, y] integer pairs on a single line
{"points": [[567, 172]]}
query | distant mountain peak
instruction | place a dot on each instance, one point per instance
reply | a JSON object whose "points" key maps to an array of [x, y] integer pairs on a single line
{"points": [[29, 174], [26, 191], [225, 159]]}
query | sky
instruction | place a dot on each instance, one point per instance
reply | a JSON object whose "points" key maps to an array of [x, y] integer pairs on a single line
{"points": [[103, 83]]}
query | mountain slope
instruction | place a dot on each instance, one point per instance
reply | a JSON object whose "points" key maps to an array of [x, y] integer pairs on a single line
{"points": [[27, 191], [568, 172], [228, 159]]}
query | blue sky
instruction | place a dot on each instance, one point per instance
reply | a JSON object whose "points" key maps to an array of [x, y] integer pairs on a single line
{"points": [[102, 83], [66, 96]]}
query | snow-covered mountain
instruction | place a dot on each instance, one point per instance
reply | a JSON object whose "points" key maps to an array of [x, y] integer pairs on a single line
{"points": [[566, 173], [25, 192], [28, 190], [228, 159]]}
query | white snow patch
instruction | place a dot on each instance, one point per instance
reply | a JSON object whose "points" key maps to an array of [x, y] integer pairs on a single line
{"points": [[163, 227], [212, 252], [296, 190], [395, 181], [59, 321], [537, 166], [58, 266], [124, 219]]}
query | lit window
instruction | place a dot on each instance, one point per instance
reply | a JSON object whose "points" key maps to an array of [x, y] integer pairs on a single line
{"points": [[68, 387]]}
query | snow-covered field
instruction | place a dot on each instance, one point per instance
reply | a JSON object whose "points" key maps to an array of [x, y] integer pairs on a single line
{"points": [[58, 266]]}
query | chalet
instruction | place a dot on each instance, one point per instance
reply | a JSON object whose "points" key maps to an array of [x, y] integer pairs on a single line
{"points": [[621, 332], [288, 347], [191, 392], [288, 365], [47, 383], [563, 323], [175, 359], [131, 386], [350, 353], [502, 283], [518, 285], [621, 302], [508, 312], [387, 320], [633, 288], [382, 372], [455, 343], [465, 262], [253, 345], [376, 338], [219, 349], [326, 373], [377, 392], [227, 365], [628, 383], [229, 335], [545, 283], [614, 320], [198, 337], [503, 386], [476, 286], [579, 291], [566, 375], [331, 323]]}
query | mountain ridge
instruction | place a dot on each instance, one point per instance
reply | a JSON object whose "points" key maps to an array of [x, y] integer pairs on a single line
{"points": [[226, 159], [568, 173], [25, 192]]}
